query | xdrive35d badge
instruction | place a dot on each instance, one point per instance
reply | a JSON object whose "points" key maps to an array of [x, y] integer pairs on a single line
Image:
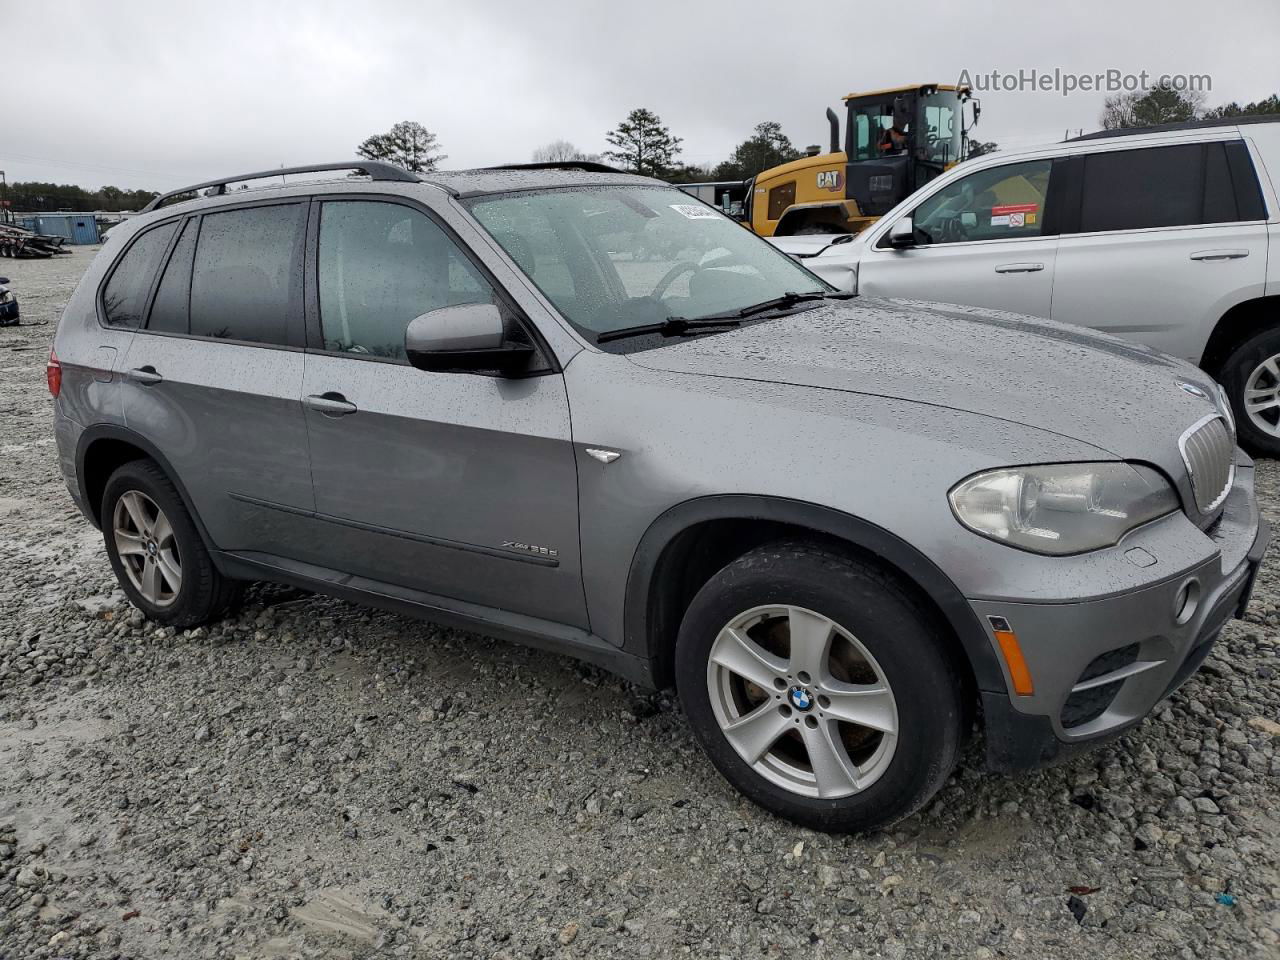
{"points": [[532, 548], [833, 532]]}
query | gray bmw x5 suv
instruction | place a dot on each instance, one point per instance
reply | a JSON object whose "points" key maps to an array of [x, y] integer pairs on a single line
{"points": [[578, 409]]}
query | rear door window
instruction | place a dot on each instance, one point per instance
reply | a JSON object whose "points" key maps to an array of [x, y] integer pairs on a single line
{"points": [[246, 278], [1140, 189], [1174, 186], [125, 296]]}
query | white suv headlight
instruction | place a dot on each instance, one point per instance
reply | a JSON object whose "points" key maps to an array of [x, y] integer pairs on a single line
{"points": [[1062, 508]]}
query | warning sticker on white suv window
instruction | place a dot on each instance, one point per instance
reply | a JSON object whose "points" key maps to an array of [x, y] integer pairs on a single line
{"points": [[1014, 214]]}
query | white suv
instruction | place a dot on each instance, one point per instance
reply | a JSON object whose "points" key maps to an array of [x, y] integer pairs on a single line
{"points": [[1158, 235]]}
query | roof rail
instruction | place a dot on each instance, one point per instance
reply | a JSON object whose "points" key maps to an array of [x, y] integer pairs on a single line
{"points": [[376, 169], [1244, 119], [587, 166]]}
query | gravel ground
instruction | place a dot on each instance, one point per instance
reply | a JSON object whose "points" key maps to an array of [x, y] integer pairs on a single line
{"points": [[317, 779]]}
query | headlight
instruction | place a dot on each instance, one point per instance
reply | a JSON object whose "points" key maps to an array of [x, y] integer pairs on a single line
{"points": [[1062, 508], [5, 295]]}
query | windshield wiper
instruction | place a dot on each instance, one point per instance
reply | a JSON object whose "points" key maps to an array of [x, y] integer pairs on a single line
{"points": [[670, 327], [788, 299], [679, 326]]}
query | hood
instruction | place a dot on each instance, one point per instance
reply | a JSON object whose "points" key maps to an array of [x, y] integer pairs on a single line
{"points": [[1090, 387]]}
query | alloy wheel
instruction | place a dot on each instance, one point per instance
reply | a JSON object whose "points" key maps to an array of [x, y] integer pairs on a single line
{"points": [[147, 548], [1262, 396], [802, 701]]}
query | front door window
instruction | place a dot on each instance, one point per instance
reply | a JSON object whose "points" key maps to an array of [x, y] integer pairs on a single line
{"points": [[993, 204]]}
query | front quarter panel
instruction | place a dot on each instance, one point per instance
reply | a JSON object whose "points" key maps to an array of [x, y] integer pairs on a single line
{"points": [[685, 436]]}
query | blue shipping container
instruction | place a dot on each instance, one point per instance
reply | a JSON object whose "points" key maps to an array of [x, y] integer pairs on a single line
{"points": [[76, 227]]}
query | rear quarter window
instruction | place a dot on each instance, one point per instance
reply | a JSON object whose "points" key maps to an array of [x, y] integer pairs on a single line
{"points": [[169, 309], [124, 298]]}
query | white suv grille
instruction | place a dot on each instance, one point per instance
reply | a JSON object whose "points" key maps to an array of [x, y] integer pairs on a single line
{"points": [[1209, 453]]}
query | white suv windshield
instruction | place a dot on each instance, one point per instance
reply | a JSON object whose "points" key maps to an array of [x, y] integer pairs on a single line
{"points": [[615, 257]]}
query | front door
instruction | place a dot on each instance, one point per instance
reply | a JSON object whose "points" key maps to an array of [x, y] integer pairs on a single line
{"points": [[456, 484], [980, 240]]}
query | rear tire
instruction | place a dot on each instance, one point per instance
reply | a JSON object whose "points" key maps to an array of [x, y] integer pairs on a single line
{"points": [[157, 553], [881, 660], [1253, 369]]}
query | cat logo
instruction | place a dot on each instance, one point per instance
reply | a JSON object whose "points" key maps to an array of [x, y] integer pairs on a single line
{"points": [[832, 180]]}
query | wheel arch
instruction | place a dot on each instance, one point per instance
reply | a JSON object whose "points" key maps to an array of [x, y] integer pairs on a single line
{"points": [[688, 543], [102, 449], [1240, 322], [838, 213]]}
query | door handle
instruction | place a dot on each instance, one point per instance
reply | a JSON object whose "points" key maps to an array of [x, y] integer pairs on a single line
{"points": [[146, 376], [330, 404], [1019, 267], [1212, 255]]}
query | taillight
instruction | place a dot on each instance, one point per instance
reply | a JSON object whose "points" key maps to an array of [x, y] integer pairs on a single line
{"points": [[53, 373]]}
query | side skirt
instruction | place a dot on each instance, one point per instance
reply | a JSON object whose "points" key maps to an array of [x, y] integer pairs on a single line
{"points": [[490, 621]]}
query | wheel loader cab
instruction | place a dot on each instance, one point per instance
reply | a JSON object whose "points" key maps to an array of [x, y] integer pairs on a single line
{"points": [[895, 141]]}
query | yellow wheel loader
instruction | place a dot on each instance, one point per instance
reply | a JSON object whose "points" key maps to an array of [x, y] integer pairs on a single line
{"points": [[894, 142]]}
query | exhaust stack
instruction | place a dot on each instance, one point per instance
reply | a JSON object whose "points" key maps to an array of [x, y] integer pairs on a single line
{"points": [[835, 130]]}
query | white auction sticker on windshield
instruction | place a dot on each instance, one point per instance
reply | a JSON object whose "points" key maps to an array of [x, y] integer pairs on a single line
{"points": [[695, 212]]}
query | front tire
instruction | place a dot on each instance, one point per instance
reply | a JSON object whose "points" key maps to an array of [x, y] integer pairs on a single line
{"points": [[156, 552], [1251, 377], [819, 689]]}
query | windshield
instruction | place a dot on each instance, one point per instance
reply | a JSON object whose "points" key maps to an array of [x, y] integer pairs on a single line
{"points": [[611, 258]]}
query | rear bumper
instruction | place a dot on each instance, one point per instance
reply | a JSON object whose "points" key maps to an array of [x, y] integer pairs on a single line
{"points": [[1100, 666]]}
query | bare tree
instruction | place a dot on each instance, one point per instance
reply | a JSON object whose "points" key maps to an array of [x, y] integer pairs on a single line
{"points": [[558, 151]]}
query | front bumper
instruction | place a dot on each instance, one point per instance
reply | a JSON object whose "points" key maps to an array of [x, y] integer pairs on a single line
{"points": [[1100, 666]]}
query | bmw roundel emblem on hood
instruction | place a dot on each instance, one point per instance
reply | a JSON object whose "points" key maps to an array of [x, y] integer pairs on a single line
{"points": [[1192, 389]]}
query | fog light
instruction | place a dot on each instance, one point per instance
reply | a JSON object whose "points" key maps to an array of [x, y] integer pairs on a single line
{"points": [[1186, 602]]}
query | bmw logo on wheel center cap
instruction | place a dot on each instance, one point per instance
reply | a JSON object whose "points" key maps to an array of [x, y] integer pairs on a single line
{"points": [[800, 698]]}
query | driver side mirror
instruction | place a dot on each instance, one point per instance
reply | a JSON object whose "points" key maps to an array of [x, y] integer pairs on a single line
{"points": [[466, 338], [903, 233]]}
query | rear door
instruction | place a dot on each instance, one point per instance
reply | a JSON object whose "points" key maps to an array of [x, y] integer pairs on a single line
{"points": [[987, 239], [460, 485], [214, 377], [1166, 239]]}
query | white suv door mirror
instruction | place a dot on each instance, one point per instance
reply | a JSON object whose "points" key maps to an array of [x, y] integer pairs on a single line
{"points": [[903, 233]]}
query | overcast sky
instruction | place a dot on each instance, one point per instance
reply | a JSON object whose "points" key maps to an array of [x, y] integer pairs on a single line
{"points": [[157, 95]]}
